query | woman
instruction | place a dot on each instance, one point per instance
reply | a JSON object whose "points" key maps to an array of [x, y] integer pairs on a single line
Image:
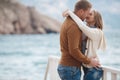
{"points": [[94, 42]]}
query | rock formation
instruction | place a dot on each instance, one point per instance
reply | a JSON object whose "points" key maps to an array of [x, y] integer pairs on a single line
{"points": [[16, 18]]}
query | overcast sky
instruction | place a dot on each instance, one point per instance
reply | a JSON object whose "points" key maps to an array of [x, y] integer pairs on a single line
{"points": [[110, 9]]}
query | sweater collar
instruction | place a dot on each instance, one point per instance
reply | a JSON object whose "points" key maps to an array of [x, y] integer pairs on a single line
{"points": [[92, 27]]}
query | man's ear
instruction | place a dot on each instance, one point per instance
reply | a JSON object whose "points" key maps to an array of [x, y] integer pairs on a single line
{"points": [[80, 12]]}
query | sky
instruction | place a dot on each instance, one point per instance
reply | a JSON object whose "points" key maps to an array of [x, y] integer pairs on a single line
{"points": [[110, 9]]}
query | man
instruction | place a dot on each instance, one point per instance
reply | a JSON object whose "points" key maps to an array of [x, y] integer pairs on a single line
{"points": [[70, 44]]}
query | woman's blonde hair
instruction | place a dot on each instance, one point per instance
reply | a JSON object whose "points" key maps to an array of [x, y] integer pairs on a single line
{"points": [[98, 20]]}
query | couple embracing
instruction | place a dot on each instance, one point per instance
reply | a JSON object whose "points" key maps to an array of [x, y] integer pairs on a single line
{"points": [[79, 43]]}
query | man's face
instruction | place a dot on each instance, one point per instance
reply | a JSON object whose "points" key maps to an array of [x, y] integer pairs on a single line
{"points": [[84, 13]]}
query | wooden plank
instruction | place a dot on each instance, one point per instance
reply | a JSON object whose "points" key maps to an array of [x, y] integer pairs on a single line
{"points": [[112, 70]]}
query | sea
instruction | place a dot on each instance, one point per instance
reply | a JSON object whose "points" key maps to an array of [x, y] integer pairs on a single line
{"points": [[25, 57]]}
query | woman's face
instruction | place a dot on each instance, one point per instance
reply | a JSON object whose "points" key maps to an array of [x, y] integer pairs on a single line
{"points": [[90, 17]]}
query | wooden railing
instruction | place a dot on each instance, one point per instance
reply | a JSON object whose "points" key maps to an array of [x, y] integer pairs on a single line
{"points": [[114, 74]]}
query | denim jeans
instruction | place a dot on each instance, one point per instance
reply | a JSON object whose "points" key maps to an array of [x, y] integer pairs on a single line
{"points": [[69, 72], [92, 73]]}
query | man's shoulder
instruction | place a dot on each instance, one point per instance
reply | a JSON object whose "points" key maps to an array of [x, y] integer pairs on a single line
{"points": [[69, 26], [70, 23]]}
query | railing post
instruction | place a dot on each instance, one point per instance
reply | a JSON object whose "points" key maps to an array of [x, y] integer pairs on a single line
{"points": [[114, 76], [46, 72], [105, 75]]}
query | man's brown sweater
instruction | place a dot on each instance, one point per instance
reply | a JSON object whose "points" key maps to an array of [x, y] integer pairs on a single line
{"points": [[70, 44]]}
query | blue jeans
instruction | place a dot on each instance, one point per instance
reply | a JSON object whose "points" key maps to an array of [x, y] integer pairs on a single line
{"points": [[69, 72], [92, 73]]}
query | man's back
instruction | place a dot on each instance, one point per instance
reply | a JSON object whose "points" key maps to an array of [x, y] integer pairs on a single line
{"points": [[70, 44]]}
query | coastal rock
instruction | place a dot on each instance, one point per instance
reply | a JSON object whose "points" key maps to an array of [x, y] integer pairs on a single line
{"points": [[16, 18]]}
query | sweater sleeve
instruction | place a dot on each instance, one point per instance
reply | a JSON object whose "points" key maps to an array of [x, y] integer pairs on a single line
{"points": [[73, 35], [89, 32]]}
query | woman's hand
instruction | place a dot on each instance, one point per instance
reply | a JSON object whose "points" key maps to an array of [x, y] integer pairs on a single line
{"points": [[94, 62], [65, 13]]}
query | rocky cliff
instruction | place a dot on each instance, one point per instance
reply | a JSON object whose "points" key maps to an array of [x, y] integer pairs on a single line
{"points": [[16, 18]]}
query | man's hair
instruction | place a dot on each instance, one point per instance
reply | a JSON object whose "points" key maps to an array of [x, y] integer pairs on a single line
{"points": [[82, 4]]}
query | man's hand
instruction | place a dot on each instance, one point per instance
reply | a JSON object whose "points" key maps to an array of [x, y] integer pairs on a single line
{"points": [[94, 62]]}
